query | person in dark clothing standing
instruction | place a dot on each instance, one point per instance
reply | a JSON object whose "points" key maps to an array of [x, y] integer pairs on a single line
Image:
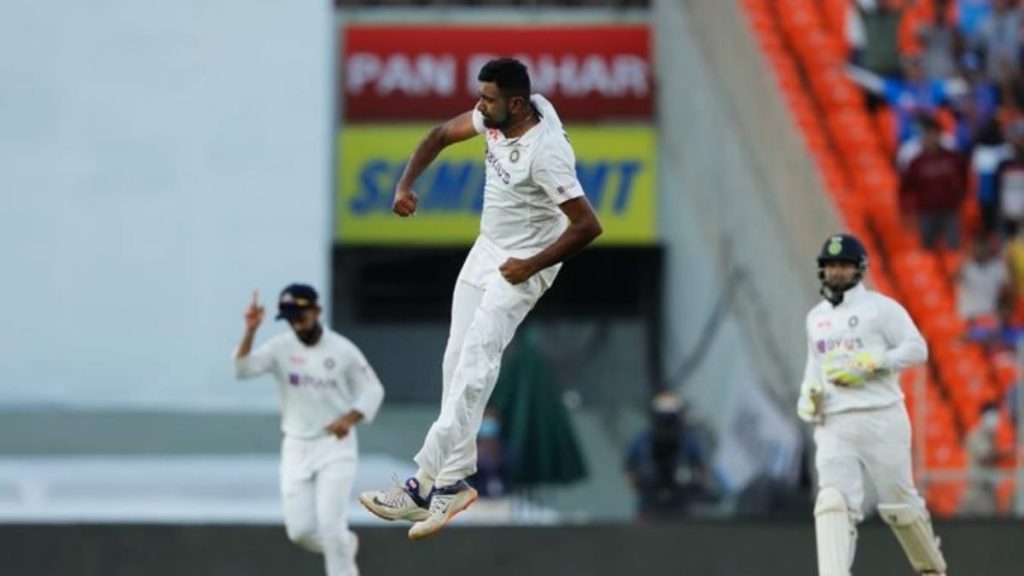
{"points": [[1009, 181], [933, 189], [665, 464]]}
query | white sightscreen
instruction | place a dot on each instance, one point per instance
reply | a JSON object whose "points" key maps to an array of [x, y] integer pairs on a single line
{"points": [[158, 160]]}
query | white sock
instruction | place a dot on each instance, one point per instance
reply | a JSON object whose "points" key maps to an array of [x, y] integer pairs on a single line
{"points": [[426, 482]]}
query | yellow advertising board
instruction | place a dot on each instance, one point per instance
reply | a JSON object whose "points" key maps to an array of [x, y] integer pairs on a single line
{"points": [[616, 166]]}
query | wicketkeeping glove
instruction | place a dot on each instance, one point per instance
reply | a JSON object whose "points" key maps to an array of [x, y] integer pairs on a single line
{"points": [[852, 371], [810, 406]]}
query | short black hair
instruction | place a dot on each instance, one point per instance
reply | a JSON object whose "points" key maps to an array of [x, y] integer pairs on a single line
{"points": [[509, 75]]}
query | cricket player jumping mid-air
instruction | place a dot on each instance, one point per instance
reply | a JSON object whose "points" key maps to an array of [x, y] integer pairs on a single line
{"points": [[534, 217]]}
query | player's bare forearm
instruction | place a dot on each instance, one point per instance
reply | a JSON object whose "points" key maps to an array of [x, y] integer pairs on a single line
{"points": [[354, 416], [245, 347], [253, 318], [343, 425], [440, 137], [575, 238], [583, 228], [425, 153]]}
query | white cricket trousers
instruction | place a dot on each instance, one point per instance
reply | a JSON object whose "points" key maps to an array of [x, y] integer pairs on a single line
{"points": [[877, 439], [316, 484], [486, 310]]}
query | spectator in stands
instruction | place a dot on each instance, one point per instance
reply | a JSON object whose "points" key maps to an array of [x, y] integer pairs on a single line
{"points": [[1010, 180], [1011, 91], [970, 14], [911, 148], [974, 99], [909, 97], [1013, 403], [1014, 252], [983, 277], [998, 39], [1005, 333], [933, 189], [873, 28], [983, 457], [491, 478], [942, 43], [665, 464], [990, 150]]}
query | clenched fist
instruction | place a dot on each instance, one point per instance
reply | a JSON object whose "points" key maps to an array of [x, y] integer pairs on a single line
{"points": [[405, 202], [517, 271]]}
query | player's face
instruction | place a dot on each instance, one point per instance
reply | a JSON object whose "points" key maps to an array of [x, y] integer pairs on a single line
{"points": [[839, 274], [306, 320], [493, 106]]}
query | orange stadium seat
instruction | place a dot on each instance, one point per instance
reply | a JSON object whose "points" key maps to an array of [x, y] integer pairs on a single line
{"points": [[885, 126], [944, 498], [1005, 493], [896, 238], [945, 455], [835, 16], [1007, 372], [882, 284], [952, 260], [835, 91]]}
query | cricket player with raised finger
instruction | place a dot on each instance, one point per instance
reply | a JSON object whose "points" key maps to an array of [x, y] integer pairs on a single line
{"points": [[326, 388], [858, 341]]}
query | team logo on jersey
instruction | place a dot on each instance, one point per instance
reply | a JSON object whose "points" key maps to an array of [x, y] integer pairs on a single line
{"points": [[846, 344], [308, 381], [300, 360], [495, 164], [329, 363], [563, 190], [513, 157], [853, 321]]}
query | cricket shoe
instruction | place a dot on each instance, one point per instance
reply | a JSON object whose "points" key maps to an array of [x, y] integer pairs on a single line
{"points": [[400, 502], [445, 503]]}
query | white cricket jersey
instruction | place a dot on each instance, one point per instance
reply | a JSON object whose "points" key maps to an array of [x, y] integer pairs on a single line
{"points": [[863, 321], [318, 383], [527, 178]]}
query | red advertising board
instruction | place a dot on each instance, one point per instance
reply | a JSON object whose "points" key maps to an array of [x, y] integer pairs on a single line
{"points": [[401, 73]]}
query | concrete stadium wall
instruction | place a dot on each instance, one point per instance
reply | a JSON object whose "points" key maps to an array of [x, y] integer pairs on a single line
{"points": [[708, 549]]}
